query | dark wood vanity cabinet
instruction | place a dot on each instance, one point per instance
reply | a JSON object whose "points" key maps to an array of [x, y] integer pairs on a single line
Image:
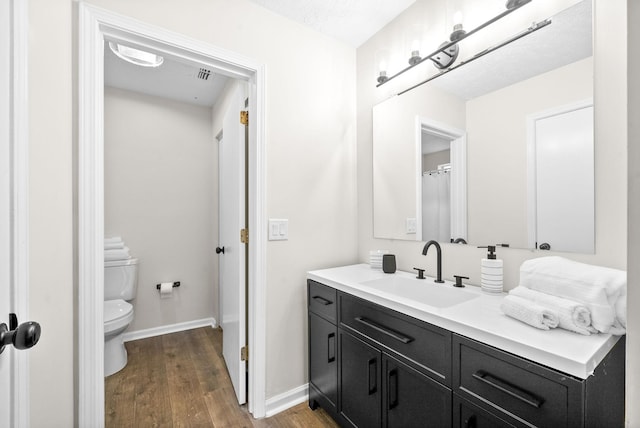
{"points": [[511, 391], [370, 366], [323, 347], [390, 369]]}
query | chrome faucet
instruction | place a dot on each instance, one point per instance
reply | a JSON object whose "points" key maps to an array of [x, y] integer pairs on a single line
{"points": [[439, 262]]}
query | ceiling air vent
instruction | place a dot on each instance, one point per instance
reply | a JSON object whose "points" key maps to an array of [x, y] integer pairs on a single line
{"points": [[204, 74]]}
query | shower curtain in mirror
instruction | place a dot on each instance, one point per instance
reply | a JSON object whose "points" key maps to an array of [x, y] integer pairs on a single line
{"points": [[436, 211]]}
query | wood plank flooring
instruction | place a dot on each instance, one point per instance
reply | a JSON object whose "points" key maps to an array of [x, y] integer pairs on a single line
{"points": [[180, 380]]}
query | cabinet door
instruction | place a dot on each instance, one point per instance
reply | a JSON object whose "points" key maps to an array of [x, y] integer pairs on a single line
{"points": [[412, 399], [360, 389], [323, 364]]}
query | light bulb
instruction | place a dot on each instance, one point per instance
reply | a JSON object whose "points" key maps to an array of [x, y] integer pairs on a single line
{"points": [[457, 18]]}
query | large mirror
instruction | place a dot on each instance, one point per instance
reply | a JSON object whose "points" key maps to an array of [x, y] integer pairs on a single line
{"points": [[498, 151]]}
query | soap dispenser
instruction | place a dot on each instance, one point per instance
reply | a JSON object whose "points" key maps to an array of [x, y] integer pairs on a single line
{"points": [[491, 272]]}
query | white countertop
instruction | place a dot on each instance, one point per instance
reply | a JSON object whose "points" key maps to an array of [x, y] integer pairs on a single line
{"points": [[481, 319]]}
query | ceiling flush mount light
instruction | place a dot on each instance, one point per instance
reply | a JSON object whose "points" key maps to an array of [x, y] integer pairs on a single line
{"points": [[136, 56]]}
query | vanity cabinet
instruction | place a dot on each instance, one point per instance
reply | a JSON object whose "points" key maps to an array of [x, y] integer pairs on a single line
{"points": [[323, 347], [525, 394], [392, 370], [371, 366]]}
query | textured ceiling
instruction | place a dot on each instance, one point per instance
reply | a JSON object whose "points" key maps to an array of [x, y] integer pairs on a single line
{"points": [[351, 21]]}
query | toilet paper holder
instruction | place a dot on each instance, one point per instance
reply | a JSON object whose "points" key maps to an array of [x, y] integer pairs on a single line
{"points": [[175, 284]]}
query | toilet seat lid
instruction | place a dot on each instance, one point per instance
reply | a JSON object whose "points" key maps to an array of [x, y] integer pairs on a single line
{"points": [[115, 309]]}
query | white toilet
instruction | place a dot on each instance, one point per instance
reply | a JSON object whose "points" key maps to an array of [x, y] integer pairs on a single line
{"points": [[120, 284]]}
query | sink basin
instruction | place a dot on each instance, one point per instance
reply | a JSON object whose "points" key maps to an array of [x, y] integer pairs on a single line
{"points": [[421, 290]]}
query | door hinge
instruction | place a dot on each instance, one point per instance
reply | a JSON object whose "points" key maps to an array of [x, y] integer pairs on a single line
{"points": [[244, 354], [244, 117], [244, 236]]}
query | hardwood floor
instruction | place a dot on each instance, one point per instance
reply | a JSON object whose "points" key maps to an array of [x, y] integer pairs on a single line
{"points": [[180, 380]]}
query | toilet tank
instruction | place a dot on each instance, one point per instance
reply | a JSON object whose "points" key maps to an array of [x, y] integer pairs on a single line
{"points": [[120, 279]]}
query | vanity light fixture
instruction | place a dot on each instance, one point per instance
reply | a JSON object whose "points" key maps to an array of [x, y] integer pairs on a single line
{"points": [[448, 51], [136, 56]]}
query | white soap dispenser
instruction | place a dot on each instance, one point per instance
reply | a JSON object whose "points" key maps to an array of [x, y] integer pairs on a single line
{"points": [[491, 272]]}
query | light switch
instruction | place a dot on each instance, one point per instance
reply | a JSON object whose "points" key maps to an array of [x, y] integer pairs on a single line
{"points": [[278, 229], [411, 225]]}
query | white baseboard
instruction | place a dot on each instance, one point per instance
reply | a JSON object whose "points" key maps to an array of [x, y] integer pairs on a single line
{"points": [[166, 329], [288, 399]]}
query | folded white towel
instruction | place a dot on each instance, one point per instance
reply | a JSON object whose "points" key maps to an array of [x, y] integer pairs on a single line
{"points": [[528, 312], [572, 316], [121, 254], [598, 288], [113, 240], [114, 245]]}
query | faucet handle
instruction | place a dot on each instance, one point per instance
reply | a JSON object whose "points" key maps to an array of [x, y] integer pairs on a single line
{"points": [[420, 273], [459, 279]]}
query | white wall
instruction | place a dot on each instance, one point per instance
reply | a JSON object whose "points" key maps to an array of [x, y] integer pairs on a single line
{"points": [[159, 196], [310, 143]]}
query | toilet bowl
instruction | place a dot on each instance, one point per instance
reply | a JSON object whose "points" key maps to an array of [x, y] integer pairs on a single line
{"points": [[120, 285], [118, 314]]}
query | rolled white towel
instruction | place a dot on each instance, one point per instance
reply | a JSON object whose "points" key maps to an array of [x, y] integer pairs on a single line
{"points": [[572, 316], [121, 254], [598, 288], [529, 312]]}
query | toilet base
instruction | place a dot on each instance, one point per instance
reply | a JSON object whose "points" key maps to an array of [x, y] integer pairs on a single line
{"points": [[115, 355]]}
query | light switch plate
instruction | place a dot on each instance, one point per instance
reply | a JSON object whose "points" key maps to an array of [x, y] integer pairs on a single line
{"points": [[278, 229], [411, 225]]}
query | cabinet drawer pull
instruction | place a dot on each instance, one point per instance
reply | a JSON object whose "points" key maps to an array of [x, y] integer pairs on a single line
{"points": [[385, 330], [392, 382], [373, 375], [331, 346], [322, 300], [508, 388]]}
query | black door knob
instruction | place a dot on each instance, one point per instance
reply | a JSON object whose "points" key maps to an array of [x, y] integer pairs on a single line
{"points": [[25, 336], [219, 250]]}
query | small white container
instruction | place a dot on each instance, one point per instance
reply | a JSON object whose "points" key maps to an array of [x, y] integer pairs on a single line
{"points": [[375, 258]]}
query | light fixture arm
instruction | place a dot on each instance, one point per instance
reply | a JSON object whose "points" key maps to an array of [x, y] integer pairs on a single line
{"points": [[445, 46]]}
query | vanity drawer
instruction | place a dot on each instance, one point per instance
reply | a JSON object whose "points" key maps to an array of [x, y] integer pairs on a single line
{"points": [[322, 300], [425, 345], [530, 393]]}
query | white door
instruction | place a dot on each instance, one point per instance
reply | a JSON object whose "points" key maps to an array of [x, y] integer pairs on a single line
{"points": [[5, 204], [565, 209], [232, 276]]}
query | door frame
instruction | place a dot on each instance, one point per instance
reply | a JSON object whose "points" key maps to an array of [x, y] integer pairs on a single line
{"points": [[96, 24], [19, 196], [458, 174], [18, 139]]}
